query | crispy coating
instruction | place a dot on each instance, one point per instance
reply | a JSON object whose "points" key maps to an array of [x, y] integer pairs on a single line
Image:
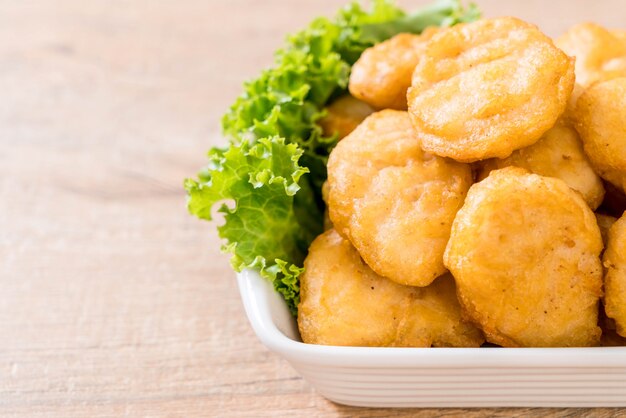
{"points": [[382, 74], [524, 251], [343, 302], [600, 54], [394, 202], [487, 88], [614, 260], [344, 115], [601, 121], [605, 222], [559, 153]]}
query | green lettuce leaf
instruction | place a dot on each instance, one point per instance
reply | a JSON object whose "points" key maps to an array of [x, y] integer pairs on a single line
{"points": [[262, 230], [275, 165], [440, 13]]}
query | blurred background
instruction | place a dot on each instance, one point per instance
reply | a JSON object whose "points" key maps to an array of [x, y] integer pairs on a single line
{"points": [[113, 301]]}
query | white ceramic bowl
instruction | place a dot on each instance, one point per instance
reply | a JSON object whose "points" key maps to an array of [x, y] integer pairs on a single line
{"points": [[437, 377]]}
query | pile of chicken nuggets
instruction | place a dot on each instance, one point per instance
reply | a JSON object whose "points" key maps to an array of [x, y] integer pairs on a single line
{"points": [[475, 192]]}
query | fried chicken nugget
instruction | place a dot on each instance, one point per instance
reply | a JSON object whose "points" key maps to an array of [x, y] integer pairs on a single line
{"points": [[601, 121], [343, 302], [559, 153], [394, 202], [484, 89], [614, 260], [344, 115], [600, 54], [382, 75], [524, 251]]}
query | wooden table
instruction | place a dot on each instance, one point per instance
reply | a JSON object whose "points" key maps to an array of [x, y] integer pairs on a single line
{"points": [[113, 301]]}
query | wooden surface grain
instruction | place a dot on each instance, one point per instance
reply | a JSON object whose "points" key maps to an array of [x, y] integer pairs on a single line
{"points": [[113, 301]]}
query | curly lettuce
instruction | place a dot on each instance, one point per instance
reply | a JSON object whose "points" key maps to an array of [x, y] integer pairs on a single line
{"points": [[275, 164], [262, 230]]}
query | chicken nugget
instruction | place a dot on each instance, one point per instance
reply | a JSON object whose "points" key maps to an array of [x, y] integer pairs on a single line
{"points": [[524, 251], [614, 260], [344, 115], [343, 302], [559, 153], [600, 54], [382, 74], [394, 202], [484, 89], [601, 121]]}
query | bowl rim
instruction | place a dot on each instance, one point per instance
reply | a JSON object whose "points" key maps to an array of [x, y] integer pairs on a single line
{"points": [[261, 301]]}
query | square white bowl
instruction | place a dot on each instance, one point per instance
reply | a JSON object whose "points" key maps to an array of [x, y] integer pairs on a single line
{"points": [[437, 377]]}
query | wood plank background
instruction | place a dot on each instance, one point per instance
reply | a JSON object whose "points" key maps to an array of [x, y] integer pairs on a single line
{"points": [[113, 301]]}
